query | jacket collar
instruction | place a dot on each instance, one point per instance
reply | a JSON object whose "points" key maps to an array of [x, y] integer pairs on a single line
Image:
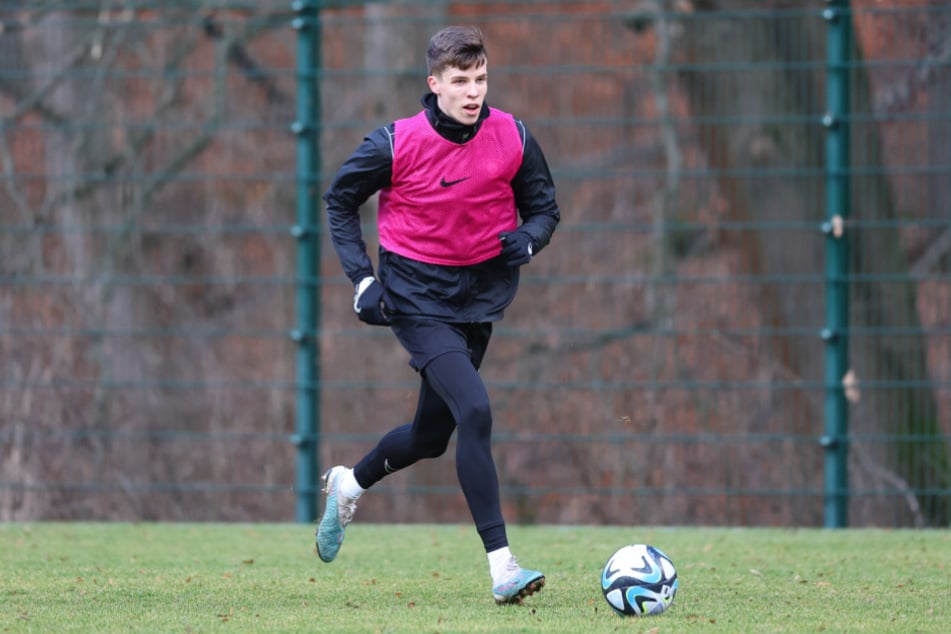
{"points": [[446, 126]]}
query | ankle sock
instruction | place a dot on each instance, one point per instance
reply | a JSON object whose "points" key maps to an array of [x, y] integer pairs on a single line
{"points": [[349, 486], [497, 560]]}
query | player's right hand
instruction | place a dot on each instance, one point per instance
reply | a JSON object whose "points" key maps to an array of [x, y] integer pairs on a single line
{"points": [[368, 302]]}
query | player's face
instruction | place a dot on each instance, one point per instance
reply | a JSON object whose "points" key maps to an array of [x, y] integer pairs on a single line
{"points": [[460, 93]]}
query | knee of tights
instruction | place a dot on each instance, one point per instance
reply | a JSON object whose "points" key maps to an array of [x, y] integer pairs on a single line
{"points": [[433, 449], [477, 414]]}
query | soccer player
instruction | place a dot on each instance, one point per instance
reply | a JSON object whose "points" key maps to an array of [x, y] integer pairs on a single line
{"points": [[466, 199]]}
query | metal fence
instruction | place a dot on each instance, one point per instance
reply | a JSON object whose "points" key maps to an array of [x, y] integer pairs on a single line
{"points": [[743, 318]]}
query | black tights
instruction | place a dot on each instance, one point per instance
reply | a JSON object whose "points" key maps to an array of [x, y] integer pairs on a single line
{"points": [[451, 395]]}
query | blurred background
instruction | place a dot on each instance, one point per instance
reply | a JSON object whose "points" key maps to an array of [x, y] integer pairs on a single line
{"points": [[744, 317]]}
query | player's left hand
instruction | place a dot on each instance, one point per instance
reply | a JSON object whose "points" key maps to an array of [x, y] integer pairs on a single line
{"points": [[517, 247]]}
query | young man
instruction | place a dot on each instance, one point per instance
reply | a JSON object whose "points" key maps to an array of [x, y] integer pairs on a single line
{"points": [[453, 181]]}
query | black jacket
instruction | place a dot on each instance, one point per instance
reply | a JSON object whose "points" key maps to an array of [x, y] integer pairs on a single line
{"points": [[413, 289]]}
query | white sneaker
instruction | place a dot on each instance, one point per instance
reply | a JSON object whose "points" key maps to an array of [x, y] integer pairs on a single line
{"points": [[338, 513], [517, 583]]}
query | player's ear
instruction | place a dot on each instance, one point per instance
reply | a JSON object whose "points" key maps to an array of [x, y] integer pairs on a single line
{"points": [[433, 84]]}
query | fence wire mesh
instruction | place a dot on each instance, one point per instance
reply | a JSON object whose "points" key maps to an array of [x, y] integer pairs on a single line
{"points": [[664, 362]]}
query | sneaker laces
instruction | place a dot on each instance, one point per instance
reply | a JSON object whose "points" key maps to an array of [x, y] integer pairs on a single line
{"points": [[510, 570], [346, 507]]}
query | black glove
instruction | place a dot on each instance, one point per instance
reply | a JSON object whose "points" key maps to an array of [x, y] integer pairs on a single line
{"points": [[368, 302], [517, 247]]}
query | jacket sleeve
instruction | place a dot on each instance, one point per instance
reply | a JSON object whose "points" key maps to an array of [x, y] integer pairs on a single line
{"points": [[535, 192], [368, 170]]}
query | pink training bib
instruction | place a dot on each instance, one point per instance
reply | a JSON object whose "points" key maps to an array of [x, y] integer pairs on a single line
{"points": [[447, 202]]}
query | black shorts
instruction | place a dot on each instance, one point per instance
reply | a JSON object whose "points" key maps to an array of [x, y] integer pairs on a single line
{"points": [[425, 340]]}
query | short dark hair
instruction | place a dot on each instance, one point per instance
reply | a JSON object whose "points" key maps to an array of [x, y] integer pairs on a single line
{"points": [[457, 46]]}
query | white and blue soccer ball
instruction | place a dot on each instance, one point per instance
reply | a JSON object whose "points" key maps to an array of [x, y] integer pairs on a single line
{"points": [[639, 580]]}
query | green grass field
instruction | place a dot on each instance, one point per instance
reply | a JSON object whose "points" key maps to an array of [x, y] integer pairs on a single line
{"points": [[61, 577]]}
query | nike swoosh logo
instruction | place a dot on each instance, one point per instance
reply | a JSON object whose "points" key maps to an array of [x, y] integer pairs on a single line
{"points": [[446, 183]]}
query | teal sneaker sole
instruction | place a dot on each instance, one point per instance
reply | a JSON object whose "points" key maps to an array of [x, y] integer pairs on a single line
{"points": [[526, 584], [329, 531]]}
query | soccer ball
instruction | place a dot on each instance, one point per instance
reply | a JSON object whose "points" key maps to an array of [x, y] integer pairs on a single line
{"points": [[639, 580]]}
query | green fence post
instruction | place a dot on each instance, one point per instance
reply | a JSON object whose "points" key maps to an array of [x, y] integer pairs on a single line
{"points": [[307, 232], [835, 335]]}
